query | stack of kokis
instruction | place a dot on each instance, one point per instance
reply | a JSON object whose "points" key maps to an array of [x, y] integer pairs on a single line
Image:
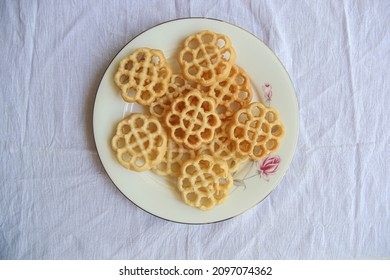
{"points": [[201, 124]]}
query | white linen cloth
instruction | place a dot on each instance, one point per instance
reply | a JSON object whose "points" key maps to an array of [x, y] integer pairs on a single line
{"points": [[57, 202]]}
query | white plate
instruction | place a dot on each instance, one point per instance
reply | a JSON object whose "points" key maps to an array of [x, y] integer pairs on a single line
{"points": [[156, 194]]}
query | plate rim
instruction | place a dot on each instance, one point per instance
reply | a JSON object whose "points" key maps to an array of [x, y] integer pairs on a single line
{"points": [[297, 121]]}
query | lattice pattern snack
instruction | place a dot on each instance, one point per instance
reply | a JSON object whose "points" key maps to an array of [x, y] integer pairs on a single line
{"points": [[201, 125], [204, 182], [177, 86], [140, 142], [206, 57], [256, 130], [232, 93], [192, 120], [143, 76], [224, 148], [173, 160]]}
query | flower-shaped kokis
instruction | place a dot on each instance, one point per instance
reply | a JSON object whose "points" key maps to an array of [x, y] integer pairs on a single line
{"points": [[206, 57], [204, 181], [192, 120], [256, 130]]}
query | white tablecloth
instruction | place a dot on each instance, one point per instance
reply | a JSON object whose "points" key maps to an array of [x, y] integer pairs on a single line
{"points": [[57, 202]]}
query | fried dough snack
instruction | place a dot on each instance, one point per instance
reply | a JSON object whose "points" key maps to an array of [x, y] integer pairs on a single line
{"points": [[204, 182], [206, 57], [177, 86], [143, 76], [192, 120], [202, 124], [223, 147], [232, 93], [256, 130], [140, 142], [173, 160]]}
